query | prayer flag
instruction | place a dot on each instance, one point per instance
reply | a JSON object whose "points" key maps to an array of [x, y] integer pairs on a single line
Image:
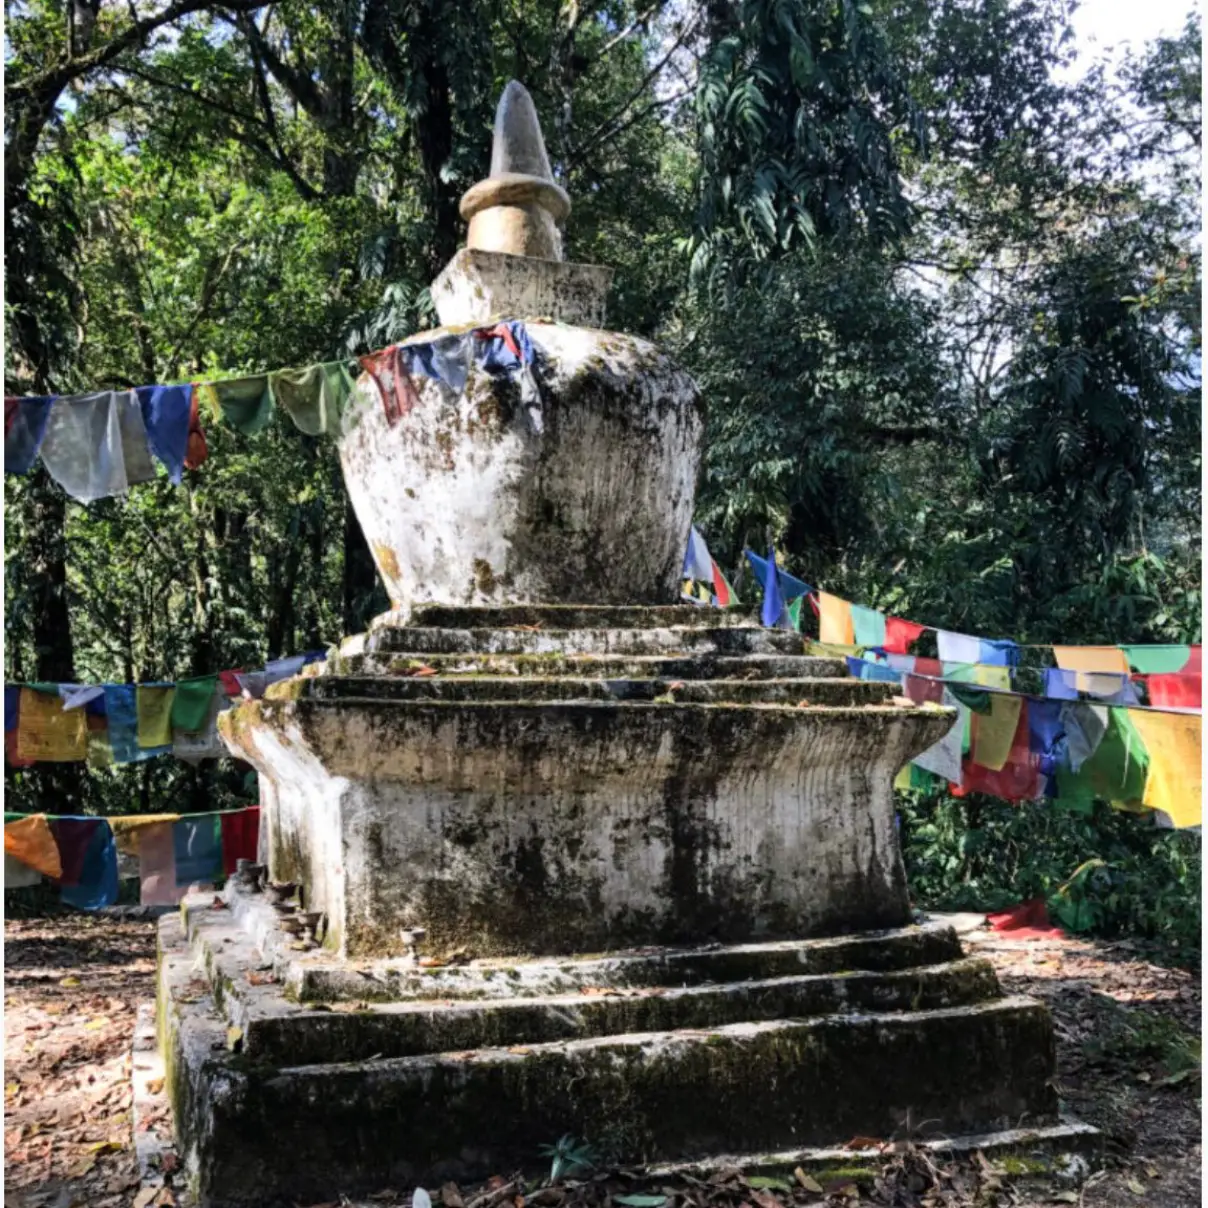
{"points": [[240, 834], [31, 841], [1177, 691], [167, 411], [1117, 769], [772, 612], [191, 704], [127, 831], [722, 589], [246, 403], [868, 626], [994, 732], [89, 859], [314, 397], [197, 844], [154, 706], [1000, 653], [899, 635], [835, 625], [1175, 781], [790, 586], [24, 430], [957, 647], [1157, 660], [944, 757], [697, 562], [47, 734]]}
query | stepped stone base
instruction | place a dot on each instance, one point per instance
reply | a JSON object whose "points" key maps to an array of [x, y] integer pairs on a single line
{"points": [[297, 1078]]}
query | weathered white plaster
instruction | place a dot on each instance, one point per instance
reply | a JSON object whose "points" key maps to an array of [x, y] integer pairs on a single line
{"points": [[477, 285], [479, 499]]}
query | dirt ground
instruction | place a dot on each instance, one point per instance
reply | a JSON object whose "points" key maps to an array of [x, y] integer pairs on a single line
{"points": [[1129, 1062]]}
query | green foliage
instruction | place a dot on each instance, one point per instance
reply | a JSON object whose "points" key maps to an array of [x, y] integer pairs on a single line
{"points": [[568, 1157], [979, 853]]}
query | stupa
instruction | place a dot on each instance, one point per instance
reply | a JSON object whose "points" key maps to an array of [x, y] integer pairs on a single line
{"points": [[580, 858]]}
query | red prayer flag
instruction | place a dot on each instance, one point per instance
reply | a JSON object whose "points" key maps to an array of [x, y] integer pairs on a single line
{"points": [[721, 588], [1028, 920], [1018, 779], [196, 449], [230, 682], [1176, 690], [240, 836], [900, 634]]}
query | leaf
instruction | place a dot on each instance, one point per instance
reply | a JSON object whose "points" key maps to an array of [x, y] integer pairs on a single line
{"points": [[1134, 1186], [94, 1025], [640, 1201], [145, 1196], [106, 1147], [70, 981], [234, 1038], [811, 1185], [765, 1182], [1065, 1197], [154, 1085]]}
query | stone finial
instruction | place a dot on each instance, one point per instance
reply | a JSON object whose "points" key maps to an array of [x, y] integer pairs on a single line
{"points": [[517, 209]]}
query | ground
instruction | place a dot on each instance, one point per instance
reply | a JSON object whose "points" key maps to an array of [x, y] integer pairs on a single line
{"points": [[1128, 1046]]}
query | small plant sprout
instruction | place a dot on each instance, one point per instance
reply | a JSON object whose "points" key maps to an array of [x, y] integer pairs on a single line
{"points": [[568, 1156]]}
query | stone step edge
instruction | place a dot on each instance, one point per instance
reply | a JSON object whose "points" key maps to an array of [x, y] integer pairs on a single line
{"points": [[673, 666], [1052, 1141], [877, 1021], [262, 1010]]}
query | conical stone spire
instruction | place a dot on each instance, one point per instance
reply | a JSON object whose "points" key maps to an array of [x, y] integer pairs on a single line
{"points": [[517, 209]]}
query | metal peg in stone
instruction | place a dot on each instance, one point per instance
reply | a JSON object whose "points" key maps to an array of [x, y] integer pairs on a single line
{"points": [[518, 208]]}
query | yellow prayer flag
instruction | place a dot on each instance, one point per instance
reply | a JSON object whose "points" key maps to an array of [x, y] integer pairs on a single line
{"points": [[990, 675], [1110, 659], [127, 831], [46, 733], [835, 625], [155, 716], [31, 841], [1175, 782], [994, 732]]}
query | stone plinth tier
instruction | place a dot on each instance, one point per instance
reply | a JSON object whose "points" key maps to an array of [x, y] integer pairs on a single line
{"points": [[478, 285], [531, 786], [298, 1079], [581, 489]]}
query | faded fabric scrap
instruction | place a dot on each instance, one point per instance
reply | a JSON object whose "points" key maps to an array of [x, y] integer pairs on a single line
{"points": [[246, 403], [1173, 742], [1084, 727], [698, 564], [24, 430], [154, 706], [835, 625], [121, 707], [994, 732], [166, 416], [127, 831], [191, 704], [1157, 660], [240, 836], [196, 450], [96, 444], [445, 359], [390, 373], [157, 867], [18, 875], [32, 842], [957, 647], [197, 843], [868, 626], [89, 856], [900, 635], [922, 690], [1176, 691], [45, 733], [314, 397], [944, 757]]}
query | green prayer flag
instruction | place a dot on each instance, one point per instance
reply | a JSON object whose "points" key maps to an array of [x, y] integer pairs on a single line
{"points": [[154, 707], [1157, 660], [869, 626], [794, 611], [191, 705], [246, 403], [1115, 772], [314, 397], [977, 699]]}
